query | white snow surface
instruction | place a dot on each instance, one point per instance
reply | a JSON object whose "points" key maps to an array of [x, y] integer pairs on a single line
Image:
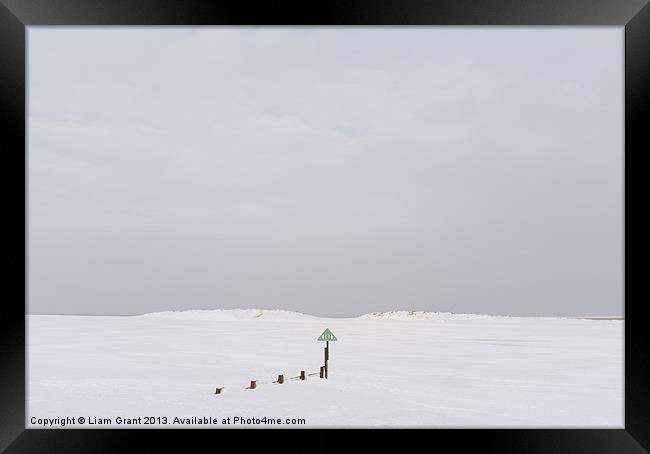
{"points": [[396, 369]]}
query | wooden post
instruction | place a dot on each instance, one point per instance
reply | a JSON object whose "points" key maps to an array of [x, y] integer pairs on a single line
{"points": [[218, 390], [322, 371], [280, 379], [327, 356], [302, 375], [253, 384]]}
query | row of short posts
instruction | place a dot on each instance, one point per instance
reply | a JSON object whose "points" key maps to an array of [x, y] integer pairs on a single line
{"points": [[302, 376]]}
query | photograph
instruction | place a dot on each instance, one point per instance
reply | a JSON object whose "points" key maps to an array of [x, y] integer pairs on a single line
{"points": [[238, 226]]}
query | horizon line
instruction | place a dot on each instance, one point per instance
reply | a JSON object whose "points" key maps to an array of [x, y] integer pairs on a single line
{"points": [[591, 317]]}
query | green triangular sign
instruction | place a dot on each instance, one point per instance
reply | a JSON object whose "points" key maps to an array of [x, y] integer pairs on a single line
{"points": [[327, 336]]}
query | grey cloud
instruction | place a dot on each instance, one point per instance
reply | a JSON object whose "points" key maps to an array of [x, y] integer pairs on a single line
{"points": [[330, 171]]}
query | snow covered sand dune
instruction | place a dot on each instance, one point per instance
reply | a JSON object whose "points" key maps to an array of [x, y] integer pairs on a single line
{"points": [[441, 370], [231, 314]]}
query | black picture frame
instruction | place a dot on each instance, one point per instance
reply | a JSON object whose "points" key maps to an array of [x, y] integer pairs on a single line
{"points": [[16, 15]]}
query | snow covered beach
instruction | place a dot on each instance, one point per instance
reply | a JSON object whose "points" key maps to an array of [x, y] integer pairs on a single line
{"points": [[399, 369]]}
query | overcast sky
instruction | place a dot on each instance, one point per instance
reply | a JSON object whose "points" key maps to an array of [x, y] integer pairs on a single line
{"points": [[326, 170]]}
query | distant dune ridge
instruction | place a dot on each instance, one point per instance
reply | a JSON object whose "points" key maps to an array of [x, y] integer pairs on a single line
{"points": [[279, 314], [231, 314], [421, 315]]}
